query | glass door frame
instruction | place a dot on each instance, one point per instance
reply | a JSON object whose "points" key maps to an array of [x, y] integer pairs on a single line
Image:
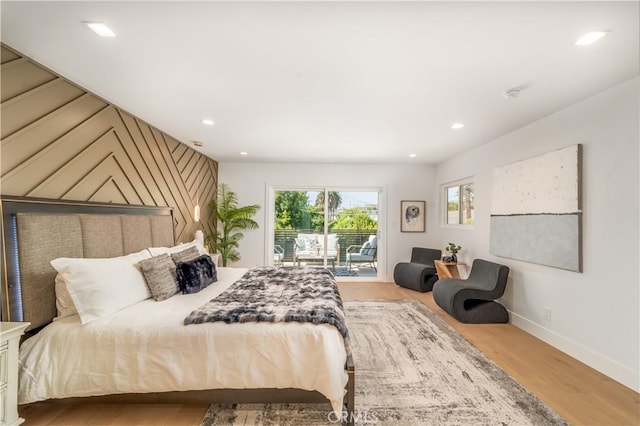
{"points": [[270, 195]]}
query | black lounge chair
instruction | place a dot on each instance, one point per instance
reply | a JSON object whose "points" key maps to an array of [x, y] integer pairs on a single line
{"points": [[420, 273], [472, 300]]}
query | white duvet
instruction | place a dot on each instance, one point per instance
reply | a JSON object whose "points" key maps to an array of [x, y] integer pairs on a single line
{"points": [[146, 348]]}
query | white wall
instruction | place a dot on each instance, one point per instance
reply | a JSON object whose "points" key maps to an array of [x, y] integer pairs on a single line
{"points": [[594, 314], [399, 182]]}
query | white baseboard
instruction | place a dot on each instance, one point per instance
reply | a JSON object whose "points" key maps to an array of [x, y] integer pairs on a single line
{"points": [[606, 366]]}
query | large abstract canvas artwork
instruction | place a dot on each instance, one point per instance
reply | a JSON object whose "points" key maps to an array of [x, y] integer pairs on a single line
{"points": [[536, 210]]}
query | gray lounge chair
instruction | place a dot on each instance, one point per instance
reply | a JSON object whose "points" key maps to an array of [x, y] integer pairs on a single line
{"points": [[366, 253], [473, 300], [420, 273]]}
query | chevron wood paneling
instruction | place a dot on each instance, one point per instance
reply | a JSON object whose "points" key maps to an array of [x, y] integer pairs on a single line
{"points": [[60, 141]]}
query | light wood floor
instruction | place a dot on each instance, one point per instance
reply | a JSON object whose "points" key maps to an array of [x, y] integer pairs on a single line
{"points": [[577, 392]]}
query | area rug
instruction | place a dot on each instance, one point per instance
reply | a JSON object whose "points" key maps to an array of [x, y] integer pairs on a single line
{"points": [[344, 272], [411, 369]]}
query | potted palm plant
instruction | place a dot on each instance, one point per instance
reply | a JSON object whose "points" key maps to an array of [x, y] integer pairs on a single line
{"points": [[231, 218]]}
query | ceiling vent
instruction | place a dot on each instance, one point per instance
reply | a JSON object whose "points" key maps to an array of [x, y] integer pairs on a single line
{"points": [[511, 93]]}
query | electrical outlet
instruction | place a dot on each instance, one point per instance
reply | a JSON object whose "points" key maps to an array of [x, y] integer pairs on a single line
{"points": [[547, 313]]}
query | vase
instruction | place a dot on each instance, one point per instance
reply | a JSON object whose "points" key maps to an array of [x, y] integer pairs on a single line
{"points": [[454, 258]]}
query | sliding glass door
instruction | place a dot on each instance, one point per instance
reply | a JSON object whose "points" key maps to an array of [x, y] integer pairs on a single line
{"points": [[299, 228], [331, 228]]}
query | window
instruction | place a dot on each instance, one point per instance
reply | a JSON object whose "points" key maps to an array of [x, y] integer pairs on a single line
{"points": [[459, 201]]}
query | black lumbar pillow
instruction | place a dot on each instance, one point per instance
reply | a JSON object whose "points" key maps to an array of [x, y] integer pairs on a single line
{"points": [[196, 274]]}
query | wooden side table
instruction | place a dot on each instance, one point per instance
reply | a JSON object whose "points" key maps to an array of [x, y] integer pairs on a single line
{"points": [[10, 333], [447, 269]]}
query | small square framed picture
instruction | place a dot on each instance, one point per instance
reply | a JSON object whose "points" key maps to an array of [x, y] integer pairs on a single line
{"points": [[412, 216]]}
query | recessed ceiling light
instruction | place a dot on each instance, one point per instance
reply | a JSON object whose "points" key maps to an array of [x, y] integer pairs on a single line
{"points": [[412, 155], [100, 28], [244, 153], [590, 37], [456, 126], [208, 122]]}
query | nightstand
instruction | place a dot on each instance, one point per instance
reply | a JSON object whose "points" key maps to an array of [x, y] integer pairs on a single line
{"points": [[10, 333], [447, 269]]}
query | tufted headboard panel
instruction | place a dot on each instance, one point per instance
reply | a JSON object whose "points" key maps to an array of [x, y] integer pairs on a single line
{"points": [[36, 231]]}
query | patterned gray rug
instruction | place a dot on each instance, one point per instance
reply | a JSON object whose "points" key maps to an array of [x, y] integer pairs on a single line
{"points": [[411, 369], [342, 271]]}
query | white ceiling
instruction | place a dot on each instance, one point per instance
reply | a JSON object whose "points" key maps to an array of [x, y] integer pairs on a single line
{"points": [[359, 82]]}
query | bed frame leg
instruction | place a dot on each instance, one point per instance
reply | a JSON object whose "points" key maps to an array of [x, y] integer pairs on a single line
{"points": [[350, 405]]}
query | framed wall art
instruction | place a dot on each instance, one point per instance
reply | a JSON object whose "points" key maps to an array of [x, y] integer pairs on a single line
{"points": [[536, 211], [413, 214]]}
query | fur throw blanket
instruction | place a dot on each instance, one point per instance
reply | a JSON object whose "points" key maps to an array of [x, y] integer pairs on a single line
{"points": [[277, 295]]}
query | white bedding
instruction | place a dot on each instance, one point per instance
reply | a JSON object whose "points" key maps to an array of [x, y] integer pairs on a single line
{"points": [[146, 348]]}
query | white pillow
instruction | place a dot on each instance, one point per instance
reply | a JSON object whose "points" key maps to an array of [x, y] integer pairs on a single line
{"points": [[155, 251], [64, 303], [100, 287], [332, 242]]}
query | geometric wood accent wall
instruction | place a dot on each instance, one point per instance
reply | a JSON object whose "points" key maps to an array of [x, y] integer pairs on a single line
{"points": [[60, 141]]}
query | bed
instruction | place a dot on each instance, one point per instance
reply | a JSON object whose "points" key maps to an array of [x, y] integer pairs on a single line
{"points": [[131, 355]]}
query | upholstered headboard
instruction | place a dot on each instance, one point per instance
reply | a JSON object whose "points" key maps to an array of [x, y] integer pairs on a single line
{"points": [[36, 231]]}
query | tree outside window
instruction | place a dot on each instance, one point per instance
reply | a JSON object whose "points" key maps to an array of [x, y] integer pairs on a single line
{"points": [[460, 204]]}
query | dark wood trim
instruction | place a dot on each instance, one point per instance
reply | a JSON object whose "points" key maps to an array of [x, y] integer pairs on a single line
{"points": [[46, 205], [209, 396], [349, 398]]}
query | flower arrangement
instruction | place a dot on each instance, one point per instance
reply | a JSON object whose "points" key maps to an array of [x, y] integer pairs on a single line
{"points": [[453, 249]]}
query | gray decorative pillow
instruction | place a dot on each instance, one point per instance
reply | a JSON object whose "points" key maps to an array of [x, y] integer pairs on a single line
{"points": [[185, 255], [310, 244], [366, 249], [160, 274]]}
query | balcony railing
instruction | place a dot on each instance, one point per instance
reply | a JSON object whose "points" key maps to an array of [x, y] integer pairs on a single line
{"points": [[285, 238]]}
